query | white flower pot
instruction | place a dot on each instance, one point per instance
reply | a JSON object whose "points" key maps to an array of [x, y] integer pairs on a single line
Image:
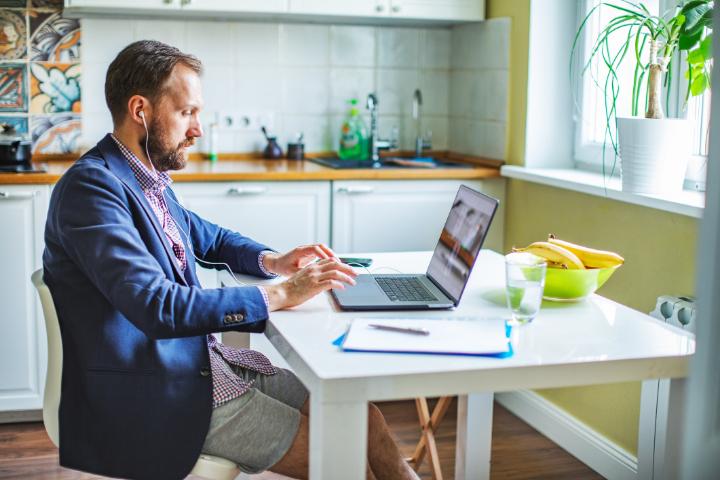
{"points": [[654, 153]]}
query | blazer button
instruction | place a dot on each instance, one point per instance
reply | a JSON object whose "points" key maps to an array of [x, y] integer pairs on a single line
{"points": [[228, 319], [204, 372]]}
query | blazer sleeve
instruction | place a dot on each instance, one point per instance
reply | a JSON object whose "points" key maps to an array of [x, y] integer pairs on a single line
{"points": [[95, 227], [213, 243]]}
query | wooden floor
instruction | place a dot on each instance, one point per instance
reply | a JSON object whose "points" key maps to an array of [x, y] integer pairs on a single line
{"points": [[518, 451]]}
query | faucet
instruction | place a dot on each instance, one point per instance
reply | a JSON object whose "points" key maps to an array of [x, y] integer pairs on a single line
{"points": [[375, 142], [421, 143]]}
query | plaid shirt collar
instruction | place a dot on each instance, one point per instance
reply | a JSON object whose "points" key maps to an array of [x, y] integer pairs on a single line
{"points": [[150, 181]]}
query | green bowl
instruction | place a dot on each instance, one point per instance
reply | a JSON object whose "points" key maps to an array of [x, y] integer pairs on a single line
{"points": [[573, 285]]}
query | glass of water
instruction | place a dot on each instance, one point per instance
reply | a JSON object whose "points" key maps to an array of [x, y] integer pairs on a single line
{"points": [[524, 283]]}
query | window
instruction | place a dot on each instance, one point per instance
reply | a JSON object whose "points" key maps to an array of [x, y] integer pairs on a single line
{"points": [[590, 116]]}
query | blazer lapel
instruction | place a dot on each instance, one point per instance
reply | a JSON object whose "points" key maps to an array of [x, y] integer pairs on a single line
{"points": [[117, 163]]}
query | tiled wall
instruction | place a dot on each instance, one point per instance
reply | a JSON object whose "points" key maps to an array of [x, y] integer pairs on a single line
{"points": [[298, 76], [40, 73], [301, 74], [479, 88]]}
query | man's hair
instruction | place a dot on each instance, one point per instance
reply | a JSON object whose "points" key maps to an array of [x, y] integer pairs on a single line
{"points": [[142, 68]]}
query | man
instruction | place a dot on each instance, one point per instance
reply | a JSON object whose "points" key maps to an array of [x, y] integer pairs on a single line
{"points": [[145, 388]]}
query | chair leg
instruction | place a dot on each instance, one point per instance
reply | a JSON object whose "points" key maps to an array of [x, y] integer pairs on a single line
{"points": [[429, 424]]}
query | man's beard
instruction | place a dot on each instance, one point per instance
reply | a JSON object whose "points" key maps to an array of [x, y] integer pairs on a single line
{"points": [[163, 156]]}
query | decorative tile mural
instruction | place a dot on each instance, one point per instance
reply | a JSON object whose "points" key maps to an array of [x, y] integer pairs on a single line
{"points": [[40, 73], [13, 87], [55, 133], [54, 38], [13, 34], [54, 87]]}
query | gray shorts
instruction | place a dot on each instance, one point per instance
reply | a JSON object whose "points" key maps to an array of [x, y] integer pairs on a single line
{"points": [[256, 429]]}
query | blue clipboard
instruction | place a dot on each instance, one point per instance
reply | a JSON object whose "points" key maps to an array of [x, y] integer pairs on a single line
{"points": [[338, 342]]}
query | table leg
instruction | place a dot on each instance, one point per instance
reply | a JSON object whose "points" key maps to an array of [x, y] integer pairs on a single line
{"points": [[474, 436], [338, 440], [662, 418]]}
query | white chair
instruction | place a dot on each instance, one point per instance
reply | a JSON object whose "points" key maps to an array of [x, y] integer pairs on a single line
{"points": [[207, 466]]}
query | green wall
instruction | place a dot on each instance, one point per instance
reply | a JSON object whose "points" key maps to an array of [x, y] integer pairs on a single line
{"points": [[659, 247]]}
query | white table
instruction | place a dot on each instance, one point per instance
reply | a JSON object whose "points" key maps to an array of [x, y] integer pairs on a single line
{"points": [[591, 342]]}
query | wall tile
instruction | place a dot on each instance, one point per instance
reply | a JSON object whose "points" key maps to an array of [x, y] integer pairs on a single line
{"points": [[395, 89], [305, 90], [13, 34], [54, 38], [13, 3], [219, 89], [352, 46], [105, 38], [304, 45], [56, 4], [56, 133], [171, 32], [435, 88], [347, 83], [259, 89], [494, 43], [437, 125], [54, 88], [435, 48], [256, 44], [19, 123], [94, 127], [92, 87], [465, 42], [211, 42], [461, 93], [398, 47], [13, 87], [314, 127]]}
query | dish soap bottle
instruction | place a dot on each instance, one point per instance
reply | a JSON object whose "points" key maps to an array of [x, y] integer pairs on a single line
{"points": [[353, 136]]}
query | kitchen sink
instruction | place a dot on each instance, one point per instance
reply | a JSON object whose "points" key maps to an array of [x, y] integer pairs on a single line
{"points": [[387, 163]]}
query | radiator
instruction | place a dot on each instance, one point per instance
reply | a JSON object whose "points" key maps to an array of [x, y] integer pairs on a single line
{"points": [[677, 311]]}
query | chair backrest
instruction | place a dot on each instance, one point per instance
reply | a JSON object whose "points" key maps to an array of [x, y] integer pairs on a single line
{"points": [[51, 400]]}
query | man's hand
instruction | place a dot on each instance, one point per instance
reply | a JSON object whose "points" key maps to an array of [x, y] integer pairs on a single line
{"points": [[293, 261], [308, 282]]}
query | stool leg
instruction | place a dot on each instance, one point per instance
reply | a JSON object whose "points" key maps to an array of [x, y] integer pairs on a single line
{"points": [[429, 424]]}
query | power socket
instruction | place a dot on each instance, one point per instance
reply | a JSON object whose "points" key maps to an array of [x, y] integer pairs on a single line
{"points": [[245, 121]]}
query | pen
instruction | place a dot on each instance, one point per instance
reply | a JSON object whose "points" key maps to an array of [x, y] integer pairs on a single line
{"points": [[390, 328]]}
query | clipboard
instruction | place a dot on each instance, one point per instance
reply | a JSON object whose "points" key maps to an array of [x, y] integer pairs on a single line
{"points": [[452, 336]]}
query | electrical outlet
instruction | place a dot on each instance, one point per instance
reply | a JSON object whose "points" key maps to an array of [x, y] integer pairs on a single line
{"points": [[244, 121]]}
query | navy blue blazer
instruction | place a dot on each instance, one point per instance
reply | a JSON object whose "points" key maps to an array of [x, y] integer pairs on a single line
{"points": [[136, 386]]}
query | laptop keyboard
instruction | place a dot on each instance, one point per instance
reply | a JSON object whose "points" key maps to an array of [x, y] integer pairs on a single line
{"points": [[405, 289]]}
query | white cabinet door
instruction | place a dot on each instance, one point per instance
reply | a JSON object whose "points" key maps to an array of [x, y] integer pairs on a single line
{"points": [[407, 215], [281, 215], [463, 10], [235, 6], [23, 347], [364, 8]]}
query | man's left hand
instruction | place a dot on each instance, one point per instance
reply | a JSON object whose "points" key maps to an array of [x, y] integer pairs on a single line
{"points": [[293, 261]]}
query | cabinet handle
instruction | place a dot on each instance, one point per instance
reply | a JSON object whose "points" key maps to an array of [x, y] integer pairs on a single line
{"points": [[355, 190], [240, 191], [396, 8], [8, 195], [379, 8]]}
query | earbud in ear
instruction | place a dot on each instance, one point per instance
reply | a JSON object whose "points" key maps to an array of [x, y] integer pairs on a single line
{"points": [[141, 113]]}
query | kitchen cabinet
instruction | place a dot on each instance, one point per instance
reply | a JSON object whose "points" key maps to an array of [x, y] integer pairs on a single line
{"points": [[361, 11], [282, 215], [407, 215], [23, 347]]}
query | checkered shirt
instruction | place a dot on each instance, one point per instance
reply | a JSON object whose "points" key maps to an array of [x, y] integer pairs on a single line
{"points": [[227, 385]]}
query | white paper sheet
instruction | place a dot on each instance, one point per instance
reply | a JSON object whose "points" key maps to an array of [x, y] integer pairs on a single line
{"points": [[466, 336]]}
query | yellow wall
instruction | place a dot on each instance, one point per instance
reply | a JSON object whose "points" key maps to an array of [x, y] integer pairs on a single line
{"points": [[659, 247]]}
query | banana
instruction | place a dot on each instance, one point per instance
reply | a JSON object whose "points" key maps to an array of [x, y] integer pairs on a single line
{"points": [[590, 257], [554, 254]]}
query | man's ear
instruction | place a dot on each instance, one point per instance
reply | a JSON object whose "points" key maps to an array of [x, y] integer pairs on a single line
{"points": [[138, 107]]}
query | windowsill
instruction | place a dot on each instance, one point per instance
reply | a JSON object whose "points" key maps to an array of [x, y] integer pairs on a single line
{"points": [[687, 202]]}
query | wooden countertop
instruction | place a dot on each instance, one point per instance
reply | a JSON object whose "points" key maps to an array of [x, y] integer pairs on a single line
{"points": [[250, 168]]}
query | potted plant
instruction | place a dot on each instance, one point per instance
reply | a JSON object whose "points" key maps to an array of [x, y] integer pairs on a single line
{"points": [[653, 150]]}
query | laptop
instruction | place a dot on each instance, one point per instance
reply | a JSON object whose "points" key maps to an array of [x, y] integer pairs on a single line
{"points": [[447, 275]]}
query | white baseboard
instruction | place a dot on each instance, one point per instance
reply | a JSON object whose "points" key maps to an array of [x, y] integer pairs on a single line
{"points": [[597, 452]]}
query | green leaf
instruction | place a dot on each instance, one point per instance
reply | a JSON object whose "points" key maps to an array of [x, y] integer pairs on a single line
{"points": [[694, 14], [706, 47], [696, 57], [699, 84], [689, 41]]}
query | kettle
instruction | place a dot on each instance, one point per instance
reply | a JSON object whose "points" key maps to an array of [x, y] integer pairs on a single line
{"points": [[15, 148]]}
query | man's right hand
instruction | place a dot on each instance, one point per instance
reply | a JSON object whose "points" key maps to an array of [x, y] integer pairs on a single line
{"points": [[309, 281]]}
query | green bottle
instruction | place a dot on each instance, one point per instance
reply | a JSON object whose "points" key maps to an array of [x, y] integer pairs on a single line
{"points": [[353, 136]]}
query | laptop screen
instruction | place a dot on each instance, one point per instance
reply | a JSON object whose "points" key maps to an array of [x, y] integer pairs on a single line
{"points": [[460, 241]]}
